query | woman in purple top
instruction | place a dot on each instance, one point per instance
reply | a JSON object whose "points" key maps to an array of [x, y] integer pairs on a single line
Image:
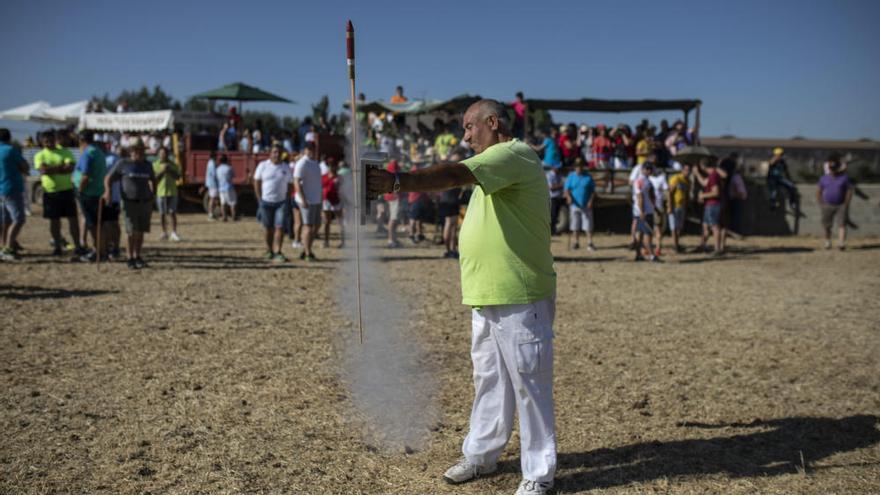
{"points": [[833, 195]]}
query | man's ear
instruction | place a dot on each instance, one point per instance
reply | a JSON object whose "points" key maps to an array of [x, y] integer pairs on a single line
{"points": [[492, 121]]}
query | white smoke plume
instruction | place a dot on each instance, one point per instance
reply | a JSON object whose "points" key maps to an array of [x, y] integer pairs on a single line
{"points": [[391, 388]]}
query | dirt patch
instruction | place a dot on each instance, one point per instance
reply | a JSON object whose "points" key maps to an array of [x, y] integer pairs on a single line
{"points": [[216, 372]]}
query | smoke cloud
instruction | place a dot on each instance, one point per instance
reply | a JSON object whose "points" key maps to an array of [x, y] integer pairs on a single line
{"points": [[391, 388]]}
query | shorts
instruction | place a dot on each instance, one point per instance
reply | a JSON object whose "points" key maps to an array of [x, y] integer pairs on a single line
{"points": [[645, 226], [137, 215], [712, 215], [59, 204], [660, 214], [394, 211], [89, 208], [110, 213], [676, 220], [580, 219], [12, 209], [166, 204], [311, 215], [832, 214], [328, 206], [419, 211], [274, 215], [445, 210], [228, 197], [213, 192]]}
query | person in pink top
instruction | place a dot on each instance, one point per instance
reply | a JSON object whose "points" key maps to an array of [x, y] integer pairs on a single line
{"points": [[519, 114], [711, 196], [395, 213]]}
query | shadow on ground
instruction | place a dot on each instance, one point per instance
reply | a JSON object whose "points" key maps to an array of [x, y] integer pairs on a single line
{"points": [[28, 292], [779, 447]]}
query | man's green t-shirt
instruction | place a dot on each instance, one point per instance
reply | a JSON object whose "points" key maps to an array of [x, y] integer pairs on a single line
{"points": [[168, 185], [55, 157], [505, 237]]}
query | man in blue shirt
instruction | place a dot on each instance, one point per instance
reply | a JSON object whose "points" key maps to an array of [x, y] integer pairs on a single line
{"points": [[579, 192], [552, 156], [88, 178], [12, 214]]}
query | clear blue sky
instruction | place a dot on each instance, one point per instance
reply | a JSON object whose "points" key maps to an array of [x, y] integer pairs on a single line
{"points": [[762, 68]]}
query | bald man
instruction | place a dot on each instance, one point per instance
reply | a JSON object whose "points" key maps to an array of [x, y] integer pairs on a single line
{"points": [[507, 278]]}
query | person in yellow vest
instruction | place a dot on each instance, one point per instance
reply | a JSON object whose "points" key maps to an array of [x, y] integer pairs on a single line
{"points": [[167, 172], [55, 165], [507, 278]]}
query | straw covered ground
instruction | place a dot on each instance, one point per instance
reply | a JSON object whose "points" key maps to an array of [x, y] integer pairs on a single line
{"points": [[215, 372]]}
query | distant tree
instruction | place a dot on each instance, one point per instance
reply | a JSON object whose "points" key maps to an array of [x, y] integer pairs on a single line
{"points": [[141, 100], [268, 121], [290, 123], [199, 105]]}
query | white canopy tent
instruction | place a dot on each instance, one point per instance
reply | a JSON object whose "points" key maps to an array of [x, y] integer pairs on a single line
{"points": [[32, 112], [146, 121], [68, 114]]}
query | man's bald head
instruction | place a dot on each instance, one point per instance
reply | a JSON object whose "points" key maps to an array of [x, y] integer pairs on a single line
{"points": [[493, 108], [486, 123]]}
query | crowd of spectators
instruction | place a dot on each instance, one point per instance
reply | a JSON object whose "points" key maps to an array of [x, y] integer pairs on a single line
{"points": [[300, 194]]}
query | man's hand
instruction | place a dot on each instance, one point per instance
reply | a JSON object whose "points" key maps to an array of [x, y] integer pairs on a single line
{"points": [[106, 198], [379, 181]]}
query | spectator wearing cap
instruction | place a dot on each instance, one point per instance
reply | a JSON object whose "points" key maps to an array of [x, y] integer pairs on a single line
{"points": [[138, 187], [55, 165], [834, 193], [579, 194], [778, 179], [89, 181]]}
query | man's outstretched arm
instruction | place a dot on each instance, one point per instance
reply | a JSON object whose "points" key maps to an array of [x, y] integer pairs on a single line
{"points": [[439, 177]]}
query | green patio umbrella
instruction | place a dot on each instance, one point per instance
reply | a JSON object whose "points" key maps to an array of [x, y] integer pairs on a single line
{"points": [[692, 155], [240, 92]]}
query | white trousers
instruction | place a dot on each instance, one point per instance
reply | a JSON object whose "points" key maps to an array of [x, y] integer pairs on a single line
{"points": [[512, 352]]}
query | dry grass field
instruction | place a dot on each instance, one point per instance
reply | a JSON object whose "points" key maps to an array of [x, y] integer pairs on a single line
{"points": [[214, 372]]}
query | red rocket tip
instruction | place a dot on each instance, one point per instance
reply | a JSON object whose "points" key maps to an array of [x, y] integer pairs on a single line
{"points": [[350, 27]]}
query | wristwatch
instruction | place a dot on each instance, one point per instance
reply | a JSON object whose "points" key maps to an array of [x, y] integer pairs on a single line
{"points": [[396, 187]]}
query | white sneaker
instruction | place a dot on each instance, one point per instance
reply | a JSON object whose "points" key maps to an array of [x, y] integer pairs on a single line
{"points": [[175, 237], [296, 245], [163, 237], [529, 487], [827, 244], [465, 471]]}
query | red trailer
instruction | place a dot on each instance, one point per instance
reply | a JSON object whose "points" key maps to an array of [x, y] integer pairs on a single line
{"points": [[193, 151]]}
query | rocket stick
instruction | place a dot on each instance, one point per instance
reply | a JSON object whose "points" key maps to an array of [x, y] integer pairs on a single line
{"points": [[359, 181]]}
